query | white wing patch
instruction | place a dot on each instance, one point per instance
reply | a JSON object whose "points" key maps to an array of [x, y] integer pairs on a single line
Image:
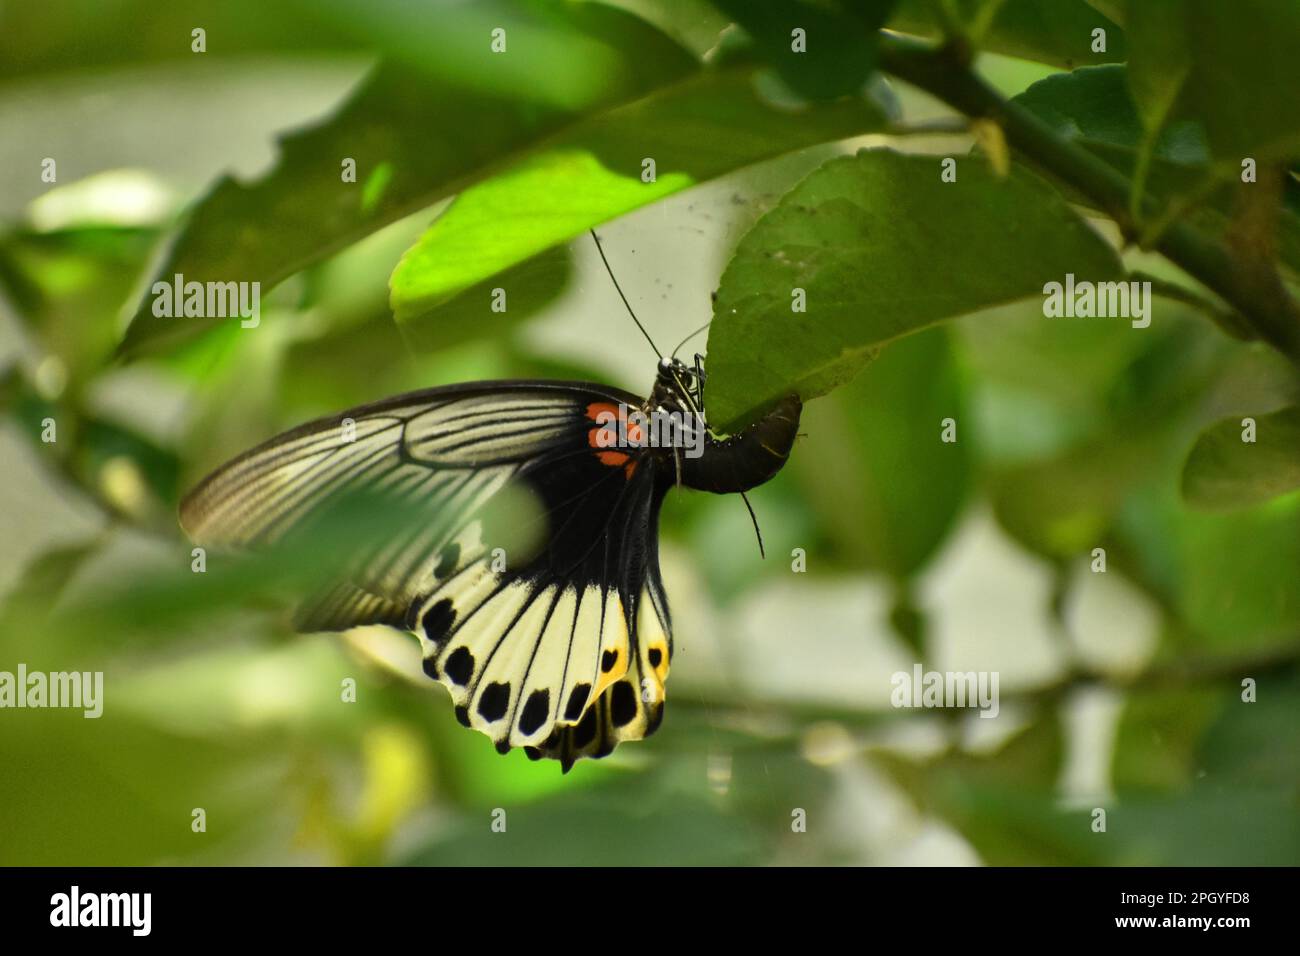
{"points": [[478, 434]]}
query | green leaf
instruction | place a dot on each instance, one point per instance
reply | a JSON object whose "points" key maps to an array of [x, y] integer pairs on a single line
{"points": [[883, 429], [83, 35], [881, 247], [1058, 32], [1244, 76], [417, 136], [528, 287], [1223, 471], [1243, 573], [1236, 576], [1095, 105], [66, 284], [1160, 60], [836, 52], [713, 123], [552, 57]]}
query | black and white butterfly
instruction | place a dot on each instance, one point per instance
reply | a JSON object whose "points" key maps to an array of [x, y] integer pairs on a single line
{"points": [[559, 642]]}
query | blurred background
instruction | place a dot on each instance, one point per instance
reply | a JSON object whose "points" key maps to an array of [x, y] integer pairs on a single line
{"points": [[1119, 690]]}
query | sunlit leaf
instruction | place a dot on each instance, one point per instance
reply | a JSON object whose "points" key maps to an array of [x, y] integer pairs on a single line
{"points": [[709, 125]]}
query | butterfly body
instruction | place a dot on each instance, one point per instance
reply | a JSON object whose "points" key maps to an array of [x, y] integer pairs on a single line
{"points": [[551, 633]]}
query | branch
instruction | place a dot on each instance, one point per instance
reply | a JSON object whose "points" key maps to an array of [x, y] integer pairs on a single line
{"points": [[945, 73]]}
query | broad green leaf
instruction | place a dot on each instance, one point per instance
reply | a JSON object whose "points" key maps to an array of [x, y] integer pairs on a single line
{"points": [[883, 428], [1225, 471], [1232, 578], [1242, 572], [1160, 60], [713, 123], [1244, 76], [1095, 105], [1059, 32], [527, 287], [879, 246], [820, 53], [552, 57], [66, 285], [416, 136], [78, 35]]}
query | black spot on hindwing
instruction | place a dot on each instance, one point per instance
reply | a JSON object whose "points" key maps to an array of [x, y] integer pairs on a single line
{"points": [[535, 711], [577, 701], [460, 666], [438, 621], [494, 701], [585, 732], [622, 703]]}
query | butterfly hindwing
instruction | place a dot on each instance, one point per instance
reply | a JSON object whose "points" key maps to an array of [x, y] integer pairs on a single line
{"points": [[552, 656]]}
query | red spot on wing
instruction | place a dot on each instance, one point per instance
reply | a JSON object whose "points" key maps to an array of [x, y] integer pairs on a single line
{"points": [[600, 436]]}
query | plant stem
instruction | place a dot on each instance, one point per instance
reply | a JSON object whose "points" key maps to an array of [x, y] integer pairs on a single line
{"points": [[945, 73]]}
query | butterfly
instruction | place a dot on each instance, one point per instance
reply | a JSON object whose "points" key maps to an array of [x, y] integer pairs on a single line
{"points": [[559, 641]]}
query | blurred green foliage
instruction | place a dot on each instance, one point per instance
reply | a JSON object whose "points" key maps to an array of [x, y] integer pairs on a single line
{"points": [[1121, 690]]}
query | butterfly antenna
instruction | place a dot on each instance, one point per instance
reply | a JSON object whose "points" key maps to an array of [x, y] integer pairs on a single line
{"points": [[691, 336], [622, 296], [754, 518]]}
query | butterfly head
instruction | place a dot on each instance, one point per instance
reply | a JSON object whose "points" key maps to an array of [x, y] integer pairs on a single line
{"points": [[680, 386]]}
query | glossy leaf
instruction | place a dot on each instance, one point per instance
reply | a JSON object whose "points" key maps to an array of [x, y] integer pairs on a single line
{"points": [[879, 247]]}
